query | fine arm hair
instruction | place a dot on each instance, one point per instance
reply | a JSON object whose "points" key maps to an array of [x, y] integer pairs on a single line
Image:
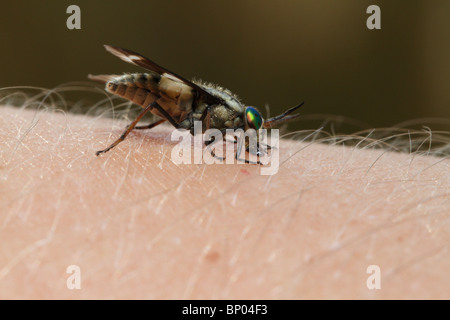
{"points": [[139, 226]]}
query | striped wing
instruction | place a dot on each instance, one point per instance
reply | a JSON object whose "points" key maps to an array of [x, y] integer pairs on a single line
{"points": [[141, 61], [172, 92]]}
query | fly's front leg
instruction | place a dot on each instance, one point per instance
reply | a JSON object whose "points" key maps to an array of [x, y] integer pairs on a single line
{"points": [[128, 130], [248, 161], [268, 147], [240, 141], [260, 151]]}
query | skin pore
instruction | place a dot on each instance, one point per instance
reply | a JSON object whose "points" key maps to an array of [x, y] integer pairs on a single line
{"points": [[139, 226]]}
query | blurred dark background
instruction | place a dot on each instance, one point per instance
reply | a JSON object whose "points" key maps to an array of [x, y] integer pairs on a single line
{"points": [[268, 52]]}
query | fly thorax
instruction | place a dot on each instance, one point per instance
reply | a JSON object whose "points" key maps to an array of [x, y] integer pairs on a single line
{"points": [[223, 117]]}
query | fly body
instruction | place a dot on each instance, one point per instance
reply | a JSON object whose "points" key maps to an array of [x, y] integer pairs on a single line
{"points": [[179, 101]]}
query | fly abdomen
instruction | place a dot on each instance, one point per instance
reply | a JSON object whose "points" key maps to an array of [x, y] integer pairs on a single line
{"points": [[147, 81], [137, 87]]}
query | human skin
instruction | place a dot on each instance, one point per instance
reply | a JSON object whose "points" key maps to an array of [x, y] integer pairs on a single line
{"points": [[139, 226]]}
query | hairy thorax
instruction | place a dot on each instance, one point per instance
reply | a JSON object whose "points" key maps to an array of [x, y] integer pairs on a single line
{"points": [[226, 115]]}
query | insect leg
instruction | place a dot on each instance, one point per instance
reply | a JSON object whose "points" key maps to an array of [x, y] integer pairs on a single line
{"points": [[239, 142], [206, 114], [128, 130], [208, 120], [165, 114], [217, 157], [268, 147], [209, 143], [247, 149], [238, 152], [149, 126], [259, 148], [247, 161]]}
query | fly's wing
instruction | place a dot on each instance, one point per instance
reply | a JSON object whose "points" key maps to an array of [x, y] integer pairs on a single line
{"points": [[174, 94], [141, 61]]}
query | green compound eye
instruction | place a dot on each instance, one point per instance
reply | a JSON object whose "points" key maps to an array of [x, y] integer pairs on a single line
{"points": [[254, 119]]}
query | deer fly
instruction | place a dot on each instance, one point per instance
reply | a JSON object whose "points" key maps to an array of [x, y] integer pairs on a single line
{"points": [[181, 102]]}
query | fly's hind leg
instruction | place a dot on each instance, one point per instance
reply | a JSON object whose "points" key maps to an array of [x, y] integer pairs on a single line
{"points": [[237, 157], [128, 130], [149, 126]]}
